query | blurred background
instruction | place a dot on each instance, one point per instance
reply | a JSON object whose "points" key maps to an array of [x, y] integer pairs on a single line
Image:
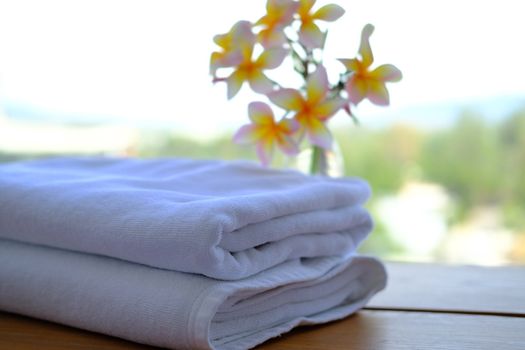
{"points": [[446, 160]]}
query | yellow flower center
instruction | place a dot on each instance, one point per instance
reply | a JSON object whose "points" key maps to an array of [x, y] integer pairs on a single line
{"points": [[306, 19], [362, 71], [249, 67]]}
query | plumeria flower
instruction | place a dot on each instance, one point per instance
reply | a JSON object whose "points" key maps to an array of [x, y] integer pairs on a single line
{"points": [[309, 34], [312, 111], [238, 41], [251, 70], [266, 133], [365, 83], [279, 14], [238, 47]]}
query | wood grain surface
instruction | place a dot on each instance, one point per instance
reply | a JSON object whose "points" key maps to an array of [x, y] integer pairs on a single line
{"points": [[425, 306], [468, 289], [398, 330], [24, 333]]}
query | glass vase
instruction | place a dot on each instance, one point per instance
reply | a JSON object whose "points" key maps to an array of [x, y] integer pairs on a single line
{"points": [[319, 161]]}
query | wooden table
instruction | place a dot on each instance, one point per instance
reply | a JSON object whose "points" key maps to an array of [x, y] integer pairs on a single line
{"points": [[425, 306]]}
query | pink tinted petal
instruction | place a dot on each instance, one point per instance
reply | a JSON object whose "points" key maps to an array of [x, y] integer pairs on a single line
{"points": [[260, 83], [223, 40], [301, 134], [277, 7], [356, 89], [278, 13], [318, 134], [289, 126], [386, 72], [260, 113], [283, 10], [288, 145], [271, 7], [377, 93], [311, 36], [350, 64], [231, 59], [291, 8], [241, 29], [329, 13], [264, 151], [243, 38], [242, 32], [317, 85], [272, 58], [234, 83], [245, 134], [364, 49], [271, 38], [215, 59], [261, 21], [305, 6], [288, 99], [330, 107], [224, 59]]}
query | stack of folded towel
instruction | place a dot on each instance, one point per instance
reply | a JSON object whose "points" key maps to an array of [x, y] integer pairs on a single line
{"points": [[182, 253]]}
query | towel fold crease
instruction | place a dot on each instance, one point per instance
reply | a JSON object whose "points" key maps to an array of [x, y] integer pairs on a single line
{"points": [[180, 310], [226, 220], [182, 254]]}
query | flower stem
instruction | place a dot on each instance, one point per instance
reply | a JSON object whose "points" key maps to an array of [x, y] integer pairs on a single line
{"points": [[318, 164]]}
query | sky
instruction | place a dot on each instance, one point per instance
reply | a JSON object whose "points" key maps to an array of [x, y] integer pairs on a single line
{"points": [[146, 62]]}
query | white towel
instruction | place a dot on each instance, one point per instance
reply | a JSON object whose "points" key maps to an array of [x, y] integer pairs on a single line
{"points": [[181, 310], [226, 220]]}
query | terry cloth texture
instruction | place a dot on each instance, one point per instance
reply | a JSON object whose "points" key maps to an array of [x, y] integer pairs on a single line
{"points": [[226, 220], [181, 310]]}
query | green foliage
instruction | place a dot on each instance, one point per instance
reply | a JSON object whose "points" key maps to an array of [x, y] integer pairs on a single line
{"points": [[480, 164], [157, 144], [512, 139], [466, 160], [11, 157], [386, 158], [477, 162]]}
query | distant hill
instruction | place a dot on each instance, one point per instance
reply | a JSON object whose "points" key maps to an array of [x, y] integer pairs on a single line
{"points": [[427, 116], [444, 114]]}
